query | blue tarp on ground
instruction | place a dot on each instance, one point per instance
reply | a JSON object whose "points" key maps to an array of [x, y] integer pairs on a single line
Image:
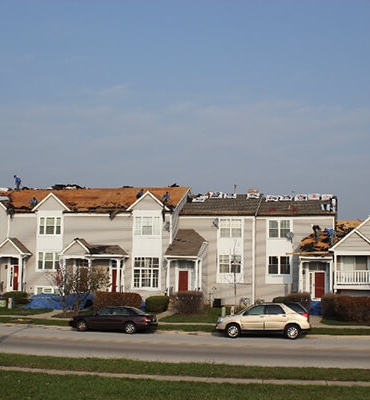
{"points": [[54, 301], [315, 308]]}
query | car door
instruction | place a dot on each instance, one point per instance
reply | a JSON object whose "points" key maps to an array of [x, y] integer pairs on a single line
{"points": [[276, 318], [102, 320], [253, 319]]}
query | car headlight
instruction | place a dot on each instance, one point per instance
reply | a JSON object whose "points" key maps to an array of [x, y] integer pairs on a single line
{"points": [[220, 319]]}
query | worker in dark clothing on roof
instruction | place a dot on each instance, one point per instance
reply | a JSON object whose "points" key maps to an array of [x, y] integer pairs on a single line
{"points": [[316, 231]]}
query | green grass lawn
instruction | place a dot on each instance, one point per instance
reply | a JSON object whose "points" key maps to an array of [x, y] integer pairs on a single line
{"points": [[39, 386]]}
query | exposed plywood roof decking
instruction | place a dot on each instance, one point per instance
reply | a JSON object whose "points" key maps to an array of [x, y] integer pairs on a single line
{"points": [[90, 200], [321, 244]]}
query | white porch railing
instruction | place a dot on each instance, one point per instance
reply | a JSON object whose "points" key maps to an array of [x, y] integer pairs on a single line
{"points": [[352, 277]]}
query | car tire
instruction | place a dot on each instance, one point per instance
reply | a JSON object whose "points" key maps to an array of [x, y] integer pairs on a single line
{"points": [[130, 328], [81, 325], [292, 331], [233, 331]]}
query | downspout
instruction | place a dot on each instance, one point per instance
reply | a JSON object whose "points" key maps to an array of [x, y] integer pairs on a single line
{"points": [[254, 241]]}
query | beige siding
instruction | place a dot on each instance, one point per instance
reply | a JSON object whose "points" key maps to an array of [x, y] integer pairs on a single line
{"points": [[365, 229], [353, 243]]}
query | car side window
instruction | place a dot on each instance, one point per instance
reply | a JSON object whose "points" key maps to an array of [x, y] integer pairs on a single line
{"points": [[121, 311], [104, 312], [274, 309], [257, 310]]}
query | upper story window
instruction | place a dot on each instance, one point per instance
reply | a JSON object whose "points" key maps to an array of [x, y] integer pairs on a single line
{"points": [[230, 228], [147, 226], [279, 265], [50, 225], [279, 228]]}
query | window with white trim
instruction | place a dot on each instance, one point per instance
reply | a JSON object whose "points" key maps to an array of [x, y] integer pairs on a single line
{"points": [[230, 228], [46, 289], [48, 261], [279, 228], [146, 272], [279, 265], [50, 225], [230, 264], [147, 226]]}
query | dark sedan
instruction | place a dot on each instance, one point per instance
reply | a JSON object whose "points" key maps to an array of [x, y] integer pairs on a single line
{"points": [[113, 318]]}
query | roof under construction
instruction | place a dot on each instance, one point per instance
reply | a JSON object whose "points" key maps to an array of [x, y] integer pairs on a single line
{"points": [[89, 200]]}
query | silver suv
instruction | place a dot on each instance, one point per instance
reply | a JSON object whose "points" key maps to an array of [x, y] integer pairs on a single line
{"points": [[267, 317]]}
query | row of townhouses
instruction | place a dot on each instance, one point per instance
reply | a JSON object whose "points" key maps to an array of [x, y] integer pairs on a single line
{"points": [[232, 247]]}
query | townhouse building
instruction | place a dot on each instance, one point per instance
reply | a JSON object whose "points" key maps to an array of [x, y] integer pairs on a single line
{"points": [[235, 248]]}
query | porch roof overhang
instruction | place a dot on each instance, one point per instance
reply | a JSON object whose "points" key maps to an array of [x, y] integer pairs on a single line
{"points": [[17, 247], [316, 258], [93, 251], [187, 244]]}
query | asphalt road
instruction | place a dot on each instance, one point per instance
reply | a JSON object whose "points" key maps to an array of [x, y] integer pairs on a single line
{"points": [[310, 351]]}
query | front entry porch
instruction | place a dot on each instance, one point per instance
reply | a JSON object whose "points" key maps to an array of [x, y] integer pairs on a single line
{"points": [[314, 276]]}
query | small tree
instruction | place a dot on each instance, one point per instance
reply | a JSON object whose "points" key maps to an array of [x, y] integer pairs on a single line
{"points": [[77, 282]]}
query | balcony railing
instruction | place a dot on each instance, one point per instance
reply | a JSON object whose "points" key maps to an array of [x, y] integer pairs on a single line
{"points": [[352, 278]]}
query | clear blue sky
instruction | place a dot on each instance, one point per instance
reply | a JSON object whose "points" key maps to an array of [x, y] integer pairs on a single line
{"points": [[272, 95]]}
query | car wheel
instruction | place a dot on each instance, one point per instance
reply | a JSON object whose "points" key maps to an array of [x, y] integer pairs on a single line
{"points": [[233, 331], [81, 325], [292, 331], [130, 328]]}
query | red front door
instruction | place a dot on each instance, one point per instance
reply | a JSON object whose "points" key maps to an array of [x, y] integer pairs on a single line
{"points": [[319, 284], [183, 280], [114, 280], [15, 277]]}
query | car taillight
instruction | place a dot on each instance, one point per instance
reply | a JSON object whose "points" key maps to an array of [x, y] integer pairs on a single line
{"points": [[147, 319], [307, 315]]}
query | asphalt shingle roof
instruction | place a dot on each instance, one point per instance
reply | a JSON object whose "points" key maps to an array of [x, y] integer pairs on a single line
{"points": [[187, 243], [241, 205]]}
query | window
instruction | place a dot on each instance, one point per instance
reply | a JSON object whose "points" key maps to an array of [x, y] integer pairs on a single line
{"points": [[50, 225], [147, 226], [279, 265], [279, 229], [231, 228], [48, 261], [43, 289], [230, 264], [146, 272]]}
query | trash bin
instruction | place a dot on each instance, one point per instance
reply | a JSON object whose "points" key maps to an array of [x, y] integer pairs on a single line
{"points": [[2, 303], [217, 303], [10, 302]]}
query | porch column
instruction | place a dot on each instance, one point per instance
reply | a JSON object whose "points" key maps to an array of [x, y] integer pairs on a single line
{"points": [[300, 276], [333, 275], [168, 273], [20, 274], [200, 270], [196, 265], [120, 283]]}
